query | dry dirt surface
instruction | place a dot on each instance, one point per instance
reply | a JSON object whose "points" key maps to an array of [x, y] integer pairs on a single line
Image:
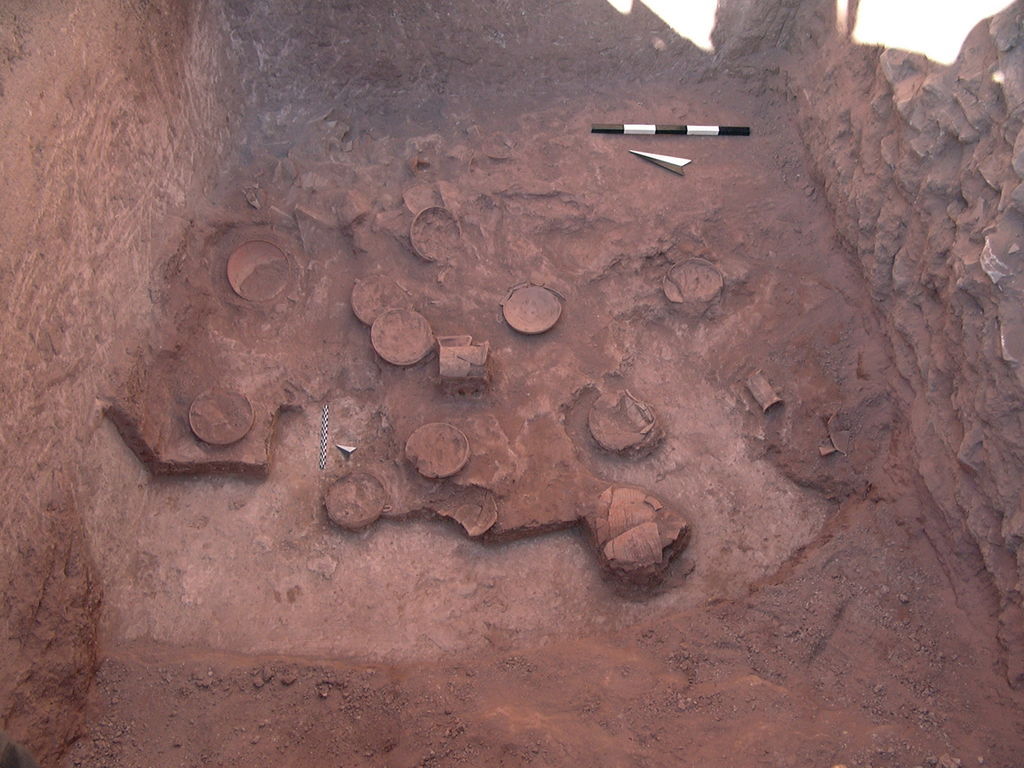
{"points": [[782, 590]]}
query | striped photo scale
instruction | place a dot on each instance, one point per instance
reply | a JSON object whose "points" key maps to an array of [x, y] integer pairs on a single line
{"points": [[325, 422], [651, 129]]}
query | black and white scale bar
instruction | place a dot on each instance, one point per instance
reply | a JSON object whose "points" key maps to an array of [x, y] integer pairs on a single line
{"points": [[641, 129], [325, 424]]}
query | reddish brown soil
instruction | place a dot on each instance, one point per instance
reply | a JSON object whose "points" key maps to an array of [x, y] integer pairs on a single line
{"points": [[862, 649], [855, 653], [823, 611]]}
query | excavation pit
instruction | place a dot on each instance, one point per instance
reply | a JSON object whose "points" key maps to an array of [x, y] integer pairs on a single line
{"points": [[233, 195]]}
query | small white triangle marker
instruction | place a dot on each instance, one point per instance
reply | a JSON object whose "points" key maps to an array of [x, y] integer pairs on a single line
{"points": [[669, 163], [346, 450]]}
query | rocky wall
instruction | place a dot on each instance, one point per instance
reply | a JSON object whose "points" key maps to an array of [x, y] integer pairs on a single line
{"points": [[113, 114], [923, 166]]}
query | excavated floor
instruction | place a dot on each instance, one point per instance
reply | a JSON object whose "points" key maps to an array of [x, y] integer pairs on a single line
{"points": [[808, 621], [239, 565]]}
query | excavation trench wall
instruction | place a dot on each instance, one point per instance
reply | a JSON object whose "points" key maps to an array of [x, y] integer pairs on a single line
{"points": [[113, 113], [923, 166]]}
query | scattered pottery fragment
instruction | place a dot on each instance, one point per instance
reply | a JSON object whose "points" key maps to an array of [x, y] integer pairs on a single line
{"points": [[402, 336], [355, 501], [372, 295], [258, 270], [624, 424], [221, 417], [531, 309], [763, 391], [252, 195], [694, 284], [437, 450], [435, 233], [838, 435], [826, 448], [462, 364], [475, 518], [635, 534]]}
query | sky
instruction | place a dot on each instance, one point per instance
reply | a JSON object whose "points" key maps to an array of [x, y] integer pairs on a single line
{"points": [[935, 28]]}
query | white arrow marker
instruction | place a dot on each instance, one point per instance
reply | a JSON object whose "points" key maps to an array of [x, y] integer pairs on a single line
{"points": [[346, 450], [674, 164]]}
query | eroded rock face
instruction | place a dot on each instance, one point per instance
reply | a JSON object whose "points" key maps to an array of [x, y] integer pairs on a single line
{"points": [[635, 535], [922, 166]]}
